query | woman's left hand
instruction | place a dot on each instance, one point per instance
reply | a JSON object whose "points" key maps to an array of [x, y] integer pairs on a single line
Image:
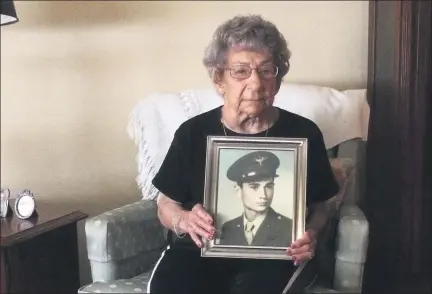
{"points": [[303, 248]]}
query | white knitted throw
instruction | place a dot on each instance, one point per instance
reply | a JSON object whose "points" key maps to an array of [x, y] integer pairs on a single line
{"points": [[155, 119]]}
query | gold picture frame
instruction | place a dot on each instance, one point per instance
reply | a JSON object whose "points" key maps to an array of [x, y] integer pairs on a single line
{"points": [[233, 168]]}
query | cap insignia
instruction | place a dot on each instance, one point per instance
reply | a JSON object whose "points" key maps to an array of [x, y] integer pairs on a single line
{"points": [[260, 160]]}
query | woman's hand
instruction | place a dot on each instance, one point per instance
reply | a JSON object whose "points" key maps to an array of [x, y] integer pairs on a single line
{"points": [[303, 248], [198, 224]]}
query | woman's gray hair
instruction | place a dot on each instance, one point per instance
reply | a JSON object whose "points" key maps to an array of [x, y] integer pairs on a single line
{"points": [[250, 32]]}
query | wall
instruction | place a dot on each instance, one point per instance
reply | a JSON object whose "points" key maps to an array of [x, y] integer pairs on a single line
{"points": [[72, 70]]}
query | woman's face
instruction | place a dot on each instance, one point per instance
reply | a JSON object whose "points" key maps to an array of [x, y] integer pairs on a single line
{"points": [[248, 91]]}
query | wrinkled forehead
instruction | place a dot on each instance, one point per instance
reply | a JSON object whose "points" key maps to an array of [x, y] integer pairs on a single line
{"points": [[242, 55]]}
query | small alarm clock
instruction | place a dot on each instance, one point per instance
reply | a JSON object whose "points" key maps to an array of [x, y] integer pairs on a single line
{"points": [[25, 205]]}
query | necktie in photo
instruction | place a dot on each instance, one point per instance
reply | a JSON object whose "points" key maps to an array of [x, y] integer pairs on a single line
{"points": [[248, 232]]}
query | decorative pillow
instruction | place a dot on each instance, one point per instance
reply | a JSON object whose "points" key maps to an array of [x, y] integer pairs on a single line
{"points": [[339, 115], [360, 95]]}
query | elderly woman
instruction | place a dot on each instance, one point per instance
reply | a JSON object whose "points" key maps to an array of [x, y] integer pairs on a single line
{"points": [[246, 60]]}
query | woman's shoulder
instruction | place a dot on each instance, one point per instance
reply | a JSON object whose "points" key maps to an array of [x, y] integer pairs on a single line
{"points": [[200, 121], [301, 123]]}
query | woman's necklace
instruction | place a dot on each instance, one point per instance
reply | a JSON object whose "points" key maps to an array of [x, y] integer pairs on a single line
{"points": [[223, 126]]}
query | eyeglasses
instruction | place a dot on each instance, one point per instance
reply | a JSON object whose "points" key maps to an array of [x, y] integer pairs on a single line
{"points": [[242, 72]]}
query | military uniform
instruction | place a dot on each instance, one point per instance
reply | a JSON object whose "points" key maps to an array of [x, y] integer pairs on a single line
{"points": [[275, 229]]}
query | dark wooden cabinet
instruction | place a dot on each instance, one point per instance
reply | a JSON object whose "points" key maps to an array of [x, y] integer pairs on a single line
{"points": [[40, 255], [399, 170]]}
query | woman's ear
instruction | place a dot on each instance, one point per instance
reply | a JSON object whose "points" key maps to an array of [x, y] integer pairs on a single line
{"points": [[220, 88], [217, 82]]}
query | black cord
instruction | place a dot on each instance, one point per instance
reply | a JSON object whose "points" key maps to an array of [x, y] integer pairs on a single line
{"points": [[7, 270]]}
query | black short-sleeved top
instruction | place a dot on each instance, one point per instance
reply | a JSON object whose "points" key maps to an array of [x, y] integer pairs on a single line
{"points": [[181, 176]]}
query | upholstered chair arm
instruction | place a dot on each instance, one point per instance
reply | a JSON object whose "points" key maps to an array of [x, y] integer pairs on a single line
{"points": [[124, 242], [350, 254], [351, 248]]}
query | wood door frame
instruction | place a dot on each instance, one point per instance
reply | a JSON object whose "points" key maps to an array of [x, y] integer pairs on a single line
{"points": [[398, 179]]}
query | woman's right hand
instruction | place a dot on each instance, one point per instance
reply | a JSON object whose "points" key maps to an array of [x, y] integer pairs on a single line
{"points": [[198, 223]]}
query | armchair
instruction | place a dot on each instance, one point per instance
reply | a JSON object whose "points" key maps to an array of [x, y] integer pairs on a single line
{"points": [[125, 244]]}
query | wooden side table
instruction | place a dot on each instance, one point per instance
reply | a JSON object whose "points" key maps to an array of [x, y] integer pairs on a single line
{"points": [[40, 255]]}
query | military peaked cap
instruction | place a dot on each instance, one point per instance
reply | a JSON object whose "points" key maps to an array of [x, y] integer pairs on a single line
{"points": [[254, 166]]}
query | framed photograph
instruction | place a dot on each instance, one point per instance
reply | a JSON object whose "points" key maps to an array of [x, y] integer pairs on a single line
{"points": [[255, 189]]}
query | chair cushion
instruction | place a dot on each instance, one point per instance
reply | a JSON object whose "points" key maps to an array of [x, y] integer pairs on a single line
{"points": [[137, 284]]}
